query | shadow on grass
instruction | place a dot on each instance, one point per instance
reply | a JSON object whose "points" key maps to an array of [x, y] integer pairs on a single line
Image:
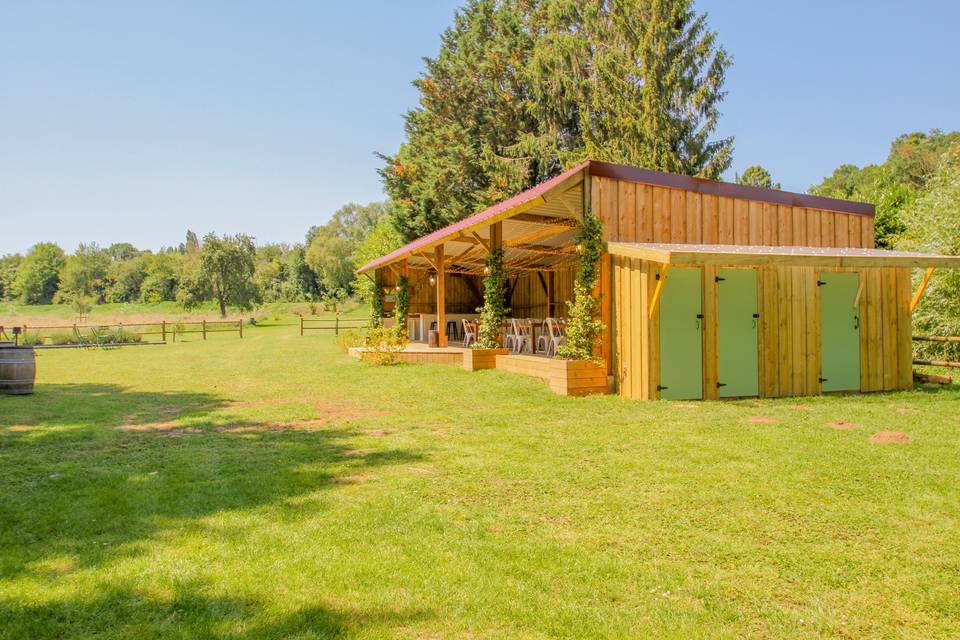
{"points": [[74, 484], [185, 614]]}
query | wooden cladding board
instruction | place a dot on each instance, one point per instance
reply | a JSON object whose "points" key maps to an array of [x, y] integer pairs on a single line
{"points": [[788, 331], [635, 212], [476, 359], [565, 377], [529, 299]]}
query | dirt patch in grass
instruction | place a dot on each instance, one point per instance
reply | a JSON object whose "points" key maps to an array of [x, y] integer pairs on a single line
{"points": [[890, 437], [761, 420], [20, 428], [378, 432], [842, 425], [905, 410]]}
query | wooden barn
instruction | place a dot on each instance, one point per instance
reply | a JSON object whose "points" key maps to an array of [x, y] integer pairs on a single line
{"points": [[708, 290]]}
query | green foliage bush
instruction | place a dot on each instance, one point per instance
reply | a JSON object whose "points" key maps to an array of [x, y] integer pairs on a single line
{"points": [[583, 327], [494, 309], [351, 338], [382, 346], [31, 339], [402, 307], [933, 226]]}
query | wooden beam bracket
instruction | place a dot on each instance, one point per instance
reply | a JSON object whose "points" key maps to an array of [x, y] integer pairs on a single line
{"points": [[923, 285], [656, 293]]}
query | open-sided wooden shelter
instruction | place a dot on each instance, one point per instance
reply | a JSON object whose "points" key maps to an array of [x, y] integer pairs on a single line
{"points": [[708, 289]]}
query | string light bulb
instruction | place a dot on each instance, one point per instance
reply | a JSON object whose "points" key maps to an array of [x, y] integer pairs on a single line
{"points": [[579, 248], [486, 271], [433, 280]]}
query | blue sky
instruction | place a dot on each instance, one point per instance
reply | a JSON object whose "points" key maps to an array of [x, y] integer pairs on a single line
{"points": [[133, 121]]}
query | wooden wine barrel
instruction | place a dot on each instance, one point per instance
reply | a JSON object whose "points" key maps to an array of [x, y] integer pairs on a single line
{"points": [[18, 369]]}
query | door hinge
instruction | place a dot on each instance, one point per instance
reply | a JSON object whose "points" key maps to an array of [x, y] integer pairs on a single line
{"points": [[660, 387], [756, 315], [718, 279], [657, 276], [699, 316], [721, 384], [820, 283], [821, 379]]}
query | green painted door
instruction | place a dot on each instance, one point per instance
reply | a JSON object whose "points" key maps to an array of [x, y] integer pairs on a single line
{"points": [[681, 355], [739, 374], [839, 331]]}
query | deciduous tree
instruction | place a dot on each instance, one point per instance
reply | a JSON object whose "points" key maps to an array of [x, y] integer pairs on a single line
{"points": [[38, 275]]}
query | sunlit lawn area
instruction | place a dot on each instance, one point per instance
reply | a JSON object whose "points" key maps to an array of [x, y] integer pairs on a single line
{"points": [[271, 487]]}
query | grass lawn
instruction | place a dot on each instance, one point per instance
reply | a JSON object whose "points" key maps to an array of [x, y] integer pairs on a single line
{"points": [[271, 487]]}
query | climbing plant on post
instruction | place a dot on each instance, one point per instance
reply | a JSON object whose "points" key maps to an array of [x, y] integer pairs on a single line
{"points": [[494, 308], [402, 307], [376, 305], [583, 326]]}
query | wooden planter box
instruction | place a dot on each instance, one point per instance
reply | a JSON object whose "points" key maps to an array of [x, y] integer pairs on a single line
{"points": [[476, 359], [566, 377]]}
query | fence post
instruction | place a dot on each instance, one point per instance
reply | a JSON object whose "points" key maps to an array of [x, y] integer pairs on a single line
{"points": [[301, 326], [336, 325], [240, 325], [203, 324], [163, 330]]}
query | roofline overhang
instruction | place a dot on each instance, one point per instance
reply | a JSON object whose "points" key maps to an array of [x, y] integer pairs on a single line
{"points": [[743, 255], [535, 196]]}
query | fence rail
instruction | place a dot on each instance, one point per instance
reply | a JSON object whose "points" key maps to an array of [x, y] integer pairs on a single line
{"points": [[937, 363], [334, 324], [88, 334]]}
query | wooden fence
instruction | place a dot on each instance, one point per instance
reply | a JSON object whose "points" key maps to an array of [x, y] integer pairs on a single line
{"points": [[90, 334], [334, 324], [937, 363]]}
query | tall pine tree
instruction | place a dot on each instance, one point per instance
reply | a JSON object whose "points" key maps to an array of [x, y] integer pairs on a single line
{"points": [[523, 88]]}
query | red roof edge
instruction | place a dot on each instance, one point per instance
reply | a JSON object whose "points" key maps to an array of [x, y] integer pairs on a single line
{"points": [[477, 218]]}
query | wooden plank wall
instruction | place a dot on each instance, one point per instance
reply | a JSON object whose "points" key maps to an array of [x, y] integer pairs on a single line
{"points": [[788, 333], [635, 212], [423, 296], [530, 300]]}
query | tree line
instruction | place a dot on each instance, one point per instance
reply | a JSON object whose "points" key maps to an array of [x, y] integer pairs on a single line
{"points": [[230, 270]]}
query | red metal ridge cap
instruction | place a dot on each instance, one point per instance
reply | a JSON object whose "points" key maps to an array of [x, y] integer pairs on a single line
{"points": [[474, 220]]}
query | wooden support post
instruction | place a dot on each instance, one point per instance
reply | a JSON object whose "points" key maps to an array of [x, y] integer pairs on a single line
{"points": [[301, 326], [550, 294], [203, 328], [163, 330], [441, 298], [240, 326], [496, 236], [336, 325], [658, 290], [923, 285]]}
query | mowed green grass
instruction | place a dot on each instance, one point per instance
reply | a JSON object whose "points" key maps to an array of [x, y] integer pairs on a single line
{"points": [[271, 487]]}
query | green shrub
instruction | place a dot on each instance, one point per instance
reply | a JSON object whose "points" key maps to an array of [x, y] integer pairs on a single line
{"points": [[351, 338], [64, 338], [118, 336], [583, 327], [383, 345], [31, 339]]}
